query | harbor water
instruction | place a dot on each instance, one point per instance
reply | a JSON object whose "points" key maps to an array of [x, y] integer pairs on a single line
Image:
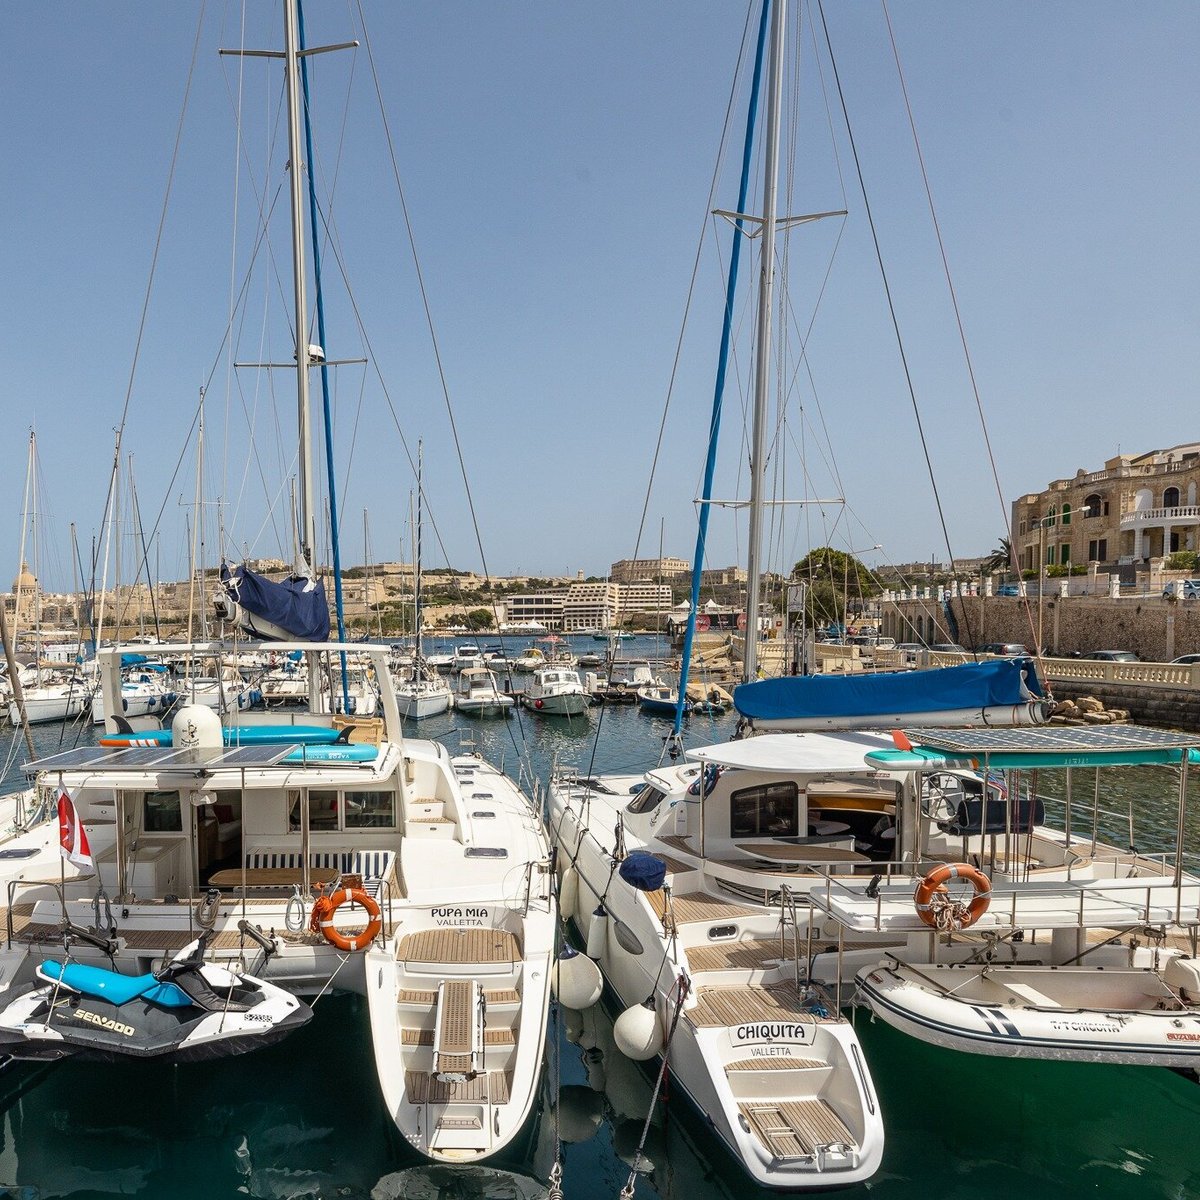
{"points": [[305, 1119]]}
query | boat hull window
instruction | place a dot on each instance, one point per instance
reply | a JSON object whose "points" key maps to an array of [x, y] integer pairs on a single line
{"points": [[769, 810], [369, 810], [647, 800]]}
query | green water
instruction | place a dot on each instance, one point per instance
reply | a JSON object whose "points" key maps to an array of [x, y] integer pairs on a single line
{"points": [[304, 1118]]}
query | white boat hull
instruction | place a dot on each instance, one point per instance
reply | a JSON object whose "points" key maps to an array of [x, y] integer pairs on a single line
{"points": [[566, 704], [416, 704]]}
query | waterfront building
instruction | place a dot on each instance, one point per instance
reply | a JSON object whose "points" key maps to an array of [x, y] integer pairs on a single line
{"points": [[632, 570], [1137, 508]]}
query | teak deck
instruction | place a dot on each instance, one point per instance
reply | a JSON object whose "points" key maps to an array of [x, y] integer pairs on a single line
{"points": [[493, 1087], [697, 906], [460, 946], [717, 1006], [795, 1128]]}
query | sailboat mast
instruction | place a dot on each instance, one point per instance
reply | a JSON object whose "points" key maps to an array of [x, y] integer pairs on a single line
{"points": [[307, 527], [417, 553], [762, 364]]}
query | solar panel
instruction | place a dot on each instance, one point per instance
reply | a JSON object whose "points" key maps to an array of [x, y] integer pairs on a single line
{"points": [[140, 758], [256, 756], [70, 760], [1059, 739]]}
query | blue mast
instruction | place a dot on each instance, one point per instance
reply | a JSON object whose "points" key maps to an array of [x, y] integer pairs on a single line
{"points": [[722, 365], [326, 408]]}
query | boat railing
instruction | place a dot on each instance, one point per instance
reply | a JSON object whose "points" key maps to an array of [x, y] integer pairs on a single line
{"points": [[15, 885]]}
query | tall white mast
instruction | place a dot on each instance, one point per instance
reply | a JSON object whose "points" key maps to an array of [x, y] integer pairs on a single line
{"points": [[305, 564], [762, 363]]}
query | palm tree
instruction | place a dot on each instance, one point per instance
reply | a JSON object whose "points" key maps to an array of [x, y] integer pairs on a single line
{"points": [[1000, 559]]}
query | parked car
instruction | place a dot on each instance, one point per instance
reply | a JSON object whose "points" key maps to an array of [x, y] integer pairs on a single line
{"points": [[949, 648], [1183, 589], [1005, 649], [1008, 589], [1186, 659], [1114, 656]]}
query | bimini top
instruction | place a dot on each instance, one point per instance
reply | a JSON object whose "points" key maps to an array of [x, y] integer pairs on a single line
{"points": [[792, 753], [1067, 746], [1002, 692]]}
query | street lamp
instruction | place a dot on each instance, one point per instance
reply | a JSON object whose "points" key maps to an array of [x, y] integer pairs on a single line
{"points": [[1043, 523]]}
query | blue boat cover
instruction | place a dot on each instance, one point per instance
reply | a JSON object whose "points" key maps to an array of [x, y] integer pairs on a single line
{"points": [[297, 604], [1003, 682], [643, 871]]}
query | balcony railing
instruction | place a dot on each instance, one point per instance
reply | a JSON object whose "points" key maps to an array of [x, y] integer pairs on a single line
{"points": [[1187, 514]]}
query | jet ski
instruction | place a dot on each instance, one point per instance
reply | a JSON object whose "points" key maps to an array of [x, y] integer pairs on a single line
{"points": [[188, 1011]]}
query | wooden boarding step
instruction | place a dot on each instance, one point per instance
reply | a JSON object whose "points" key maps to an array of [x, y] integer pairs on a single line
{"points": [[795, 1128], [491, 1088], [493, 997], [491, 1037], [774, 1062]]}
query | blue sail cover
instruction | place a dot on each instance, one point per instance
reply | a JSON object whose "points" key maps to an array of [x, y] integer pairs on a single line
{"points": [[296, 605], [825, 700]]}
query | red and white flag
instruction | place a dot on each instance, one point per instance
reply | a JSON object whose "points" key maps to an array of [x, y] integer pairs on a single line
{"points": [[72, 836]]}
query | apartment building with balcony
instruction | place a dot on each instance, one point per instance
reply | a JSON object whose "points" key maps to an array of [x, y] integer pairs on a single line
{"points": [[1137, 508]]}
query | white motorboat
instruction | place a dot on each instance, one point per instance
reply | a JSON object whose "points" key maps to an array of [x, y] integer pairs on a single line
{"points": [[422, 693], [1008, 953], [466, 654], [529, 660], [555, 692], [142, 692], [478, 694]]}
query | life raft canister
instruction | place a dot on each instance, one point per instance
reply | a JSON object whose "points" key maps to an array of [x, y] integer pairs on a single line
{"points": [[933, 903], [322, 919]]}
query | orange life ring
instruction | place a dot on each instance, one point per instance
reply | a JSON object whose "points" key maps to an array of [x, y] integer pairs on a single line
{"points": [[933, 902], [326, 906]]}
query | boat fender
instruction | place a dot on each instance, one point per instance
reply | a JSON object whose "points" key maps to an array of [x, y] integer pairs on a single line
{"points": [[596, 932], [322, 919], [638, 1032], [568, 893], [576, 980], [934, 905]]}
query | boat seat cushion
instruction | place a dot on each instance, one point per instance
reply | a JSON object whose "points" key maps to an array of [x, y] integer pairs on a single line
{"points": [[115, 988], [971, 818], [372, 865]]}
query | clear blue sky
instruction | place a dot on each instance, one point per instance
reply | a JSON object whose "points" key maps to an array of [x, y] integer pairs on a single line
{"points": [[556, 159]]}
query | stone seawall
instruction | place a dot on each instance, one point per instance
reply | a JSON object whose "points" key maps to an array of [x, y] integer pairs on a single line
{"points": [[1156, 630], [1173, 708]]}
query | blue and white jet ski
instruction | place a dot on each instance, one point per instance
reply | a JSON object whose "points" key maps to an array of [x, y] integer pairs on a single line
{"points": [[188, 1011]]}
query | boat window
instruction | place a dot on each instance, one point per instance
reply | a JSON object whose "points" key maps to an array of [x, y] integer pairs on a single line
{"points": [[769, 810], [322, 810], [370, 810], [648, 799], [161, 813]]}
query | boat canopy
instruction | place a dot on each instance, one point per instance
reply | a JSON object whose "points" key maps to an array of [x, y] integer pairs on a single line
{"points": [[296, 605], [790, 753], [1006, 691], [1061, 746]]}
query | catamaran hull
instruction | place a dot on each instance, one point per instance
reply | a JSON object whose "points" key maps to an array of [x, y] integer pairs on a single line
{"points": [[1161, 1039]]}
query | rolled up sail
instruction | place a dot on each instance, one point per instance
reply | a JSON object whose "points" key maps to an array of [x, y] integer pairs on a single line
{"points": [[1003, 692], [293, 610]]}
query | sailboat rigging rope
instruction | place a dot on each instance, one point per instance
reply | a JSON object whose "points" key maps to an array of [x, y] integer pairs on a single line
{"points": [[962, 333], [895, 320]]}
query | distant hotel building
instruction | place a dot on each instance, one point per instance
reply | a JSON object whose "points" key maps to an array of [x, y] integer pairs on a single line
{"points": [[1137, 508], [587, 606]]}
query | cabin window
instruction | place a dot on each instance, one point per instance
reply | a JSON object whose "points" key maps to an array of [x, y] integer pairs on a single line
{"points": [[770, 810], [161, 813], [322, 810], [648, 799], [370, 810]]}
